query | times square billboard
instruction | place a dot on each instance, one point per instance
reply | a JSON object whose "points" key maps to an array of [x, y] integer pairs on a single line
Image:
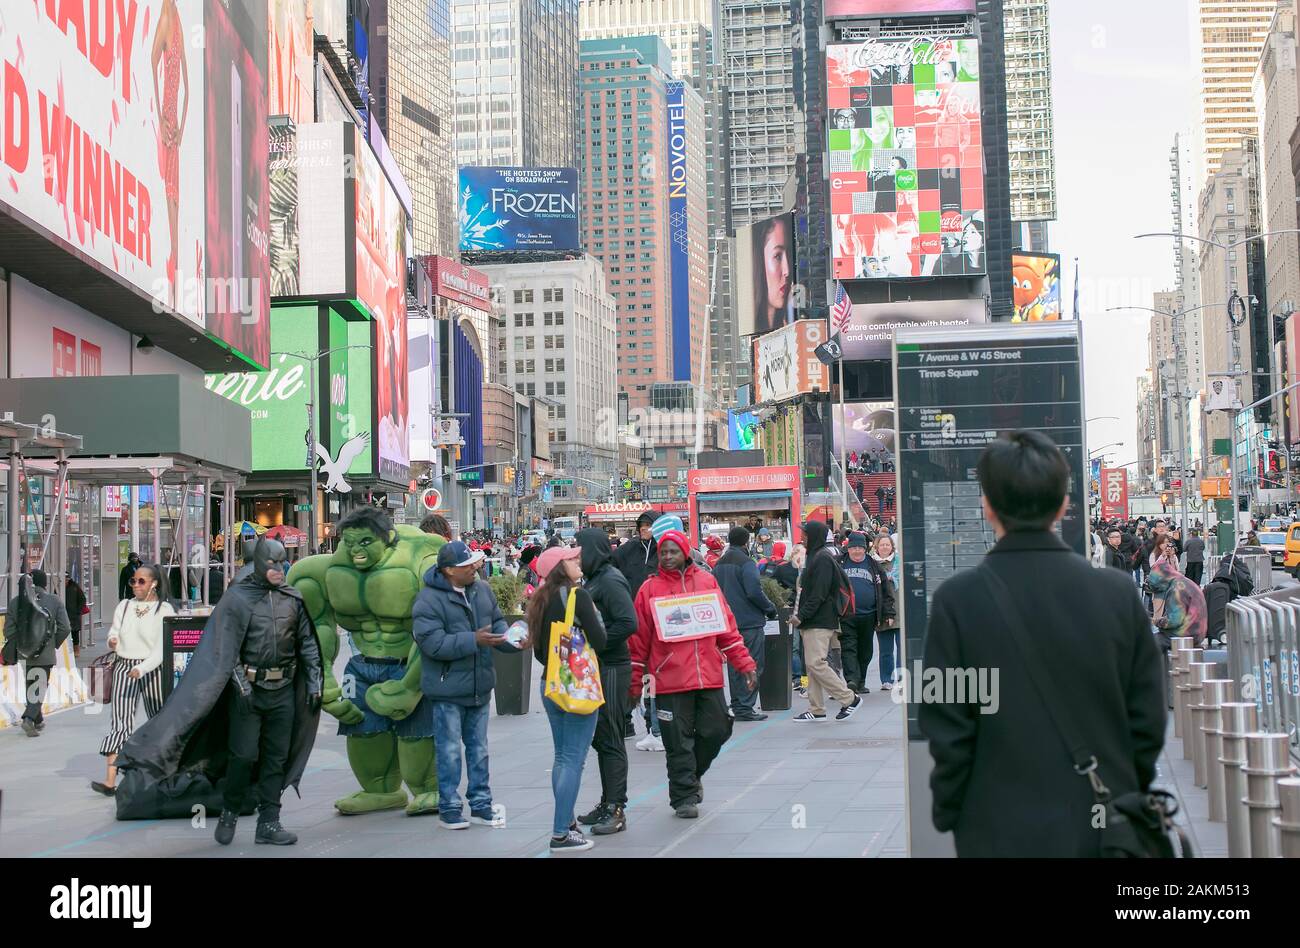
{"points": [[847, 9], [518, 209], [906, 159]]}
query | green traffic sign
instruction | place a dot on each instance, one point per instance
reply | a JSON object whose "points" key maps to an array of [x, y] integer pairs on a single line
{"points": [[563, 481], [302, 508]]}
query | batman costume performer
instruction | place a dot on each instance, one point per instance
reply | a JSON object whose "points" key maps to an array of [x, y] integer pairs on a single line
{"points": [[243, 716]]}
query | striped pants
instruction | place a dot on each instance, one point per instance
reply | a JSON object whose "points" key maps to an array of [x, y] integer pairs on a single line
{"points": [[127, 692]]}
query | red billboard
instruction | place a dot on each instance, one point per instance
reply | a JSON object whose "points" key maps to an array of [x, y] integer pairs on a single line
{"points": [[846, 9], [1114, 493], [459, 283]]}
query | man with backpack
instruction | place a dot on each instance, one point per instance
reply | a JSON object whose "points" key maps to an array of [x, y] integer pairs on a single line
{"points": [[823, 598], [37, 625]]}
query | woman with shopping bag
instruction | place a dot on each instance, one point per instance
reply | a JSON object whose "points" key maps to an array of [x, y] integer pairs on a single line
{"points": [[566, 631]]}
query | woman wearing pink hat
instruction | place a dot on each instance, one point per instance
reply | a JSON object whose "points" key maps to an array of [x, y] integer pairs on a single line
{"points": [[571, 733]]}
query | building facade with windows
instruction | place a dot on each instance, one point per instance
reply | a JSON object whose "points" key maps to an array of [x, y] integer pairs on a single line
{"points": [[514, 75], [1227, 39], [560, 348], [627, 221]]}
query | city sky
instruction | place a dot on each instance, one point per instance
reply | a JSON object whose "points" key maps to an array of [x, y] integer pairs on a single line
{"points": [[1123, 85]]}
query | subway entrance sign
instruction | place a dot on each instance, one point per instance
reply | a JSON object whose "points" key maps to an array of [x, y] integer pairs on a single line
{"points": [[957, 390]]}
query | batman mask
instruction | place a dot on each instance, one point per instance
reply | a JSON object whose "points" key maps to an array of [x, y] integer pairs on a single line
{"points": [[270, 562]]}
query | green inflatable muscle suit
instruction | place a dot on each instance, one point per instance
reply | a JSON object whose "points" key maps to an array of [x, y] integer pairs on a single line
{"points": [[367, 587]]}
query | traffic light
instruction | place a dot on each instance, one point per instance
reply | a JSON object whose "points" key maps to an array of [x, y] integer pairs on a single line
{"points": [[1164, 501], [508, 476]]}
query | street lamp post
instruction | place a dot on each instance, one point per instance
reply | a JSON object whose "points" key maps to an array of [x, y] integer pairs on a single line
{"points": [[311, 361], [1234, 346]]}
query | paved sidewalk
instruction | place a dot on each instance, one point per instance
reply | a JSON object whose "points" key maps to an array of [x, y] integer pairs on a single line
{"points": [[779, 788]]}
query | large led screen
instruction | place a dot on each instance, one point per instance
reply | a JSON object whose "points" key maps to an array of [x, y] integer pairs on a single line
{"points": [[1035, 287], [870, 332], [765, 271], [518, 209], [906, 162], [845, 9]]}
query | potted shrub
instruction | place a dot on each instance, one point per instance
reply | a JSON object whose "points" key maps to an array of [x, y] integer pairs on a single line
{"points": [[514, 669]]}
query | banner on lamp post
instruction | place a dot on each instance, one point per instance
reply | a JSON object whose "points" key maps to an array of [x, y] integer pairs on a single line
{"points": [[1114, 493]]}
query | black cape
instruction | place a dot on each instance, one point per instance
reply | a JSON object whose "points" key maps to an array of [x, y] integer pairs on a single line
{"points": [[177, 759]]}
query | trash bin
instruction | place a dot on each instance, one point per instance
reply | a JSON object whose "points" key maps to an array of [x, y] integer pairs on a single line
{"points": [[774, 688], [514, 678]]}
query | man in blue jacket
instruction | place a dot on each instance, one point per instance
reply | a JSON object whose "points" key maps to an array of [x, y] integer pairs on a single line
{"points": [[456, 622], [737, 575]]}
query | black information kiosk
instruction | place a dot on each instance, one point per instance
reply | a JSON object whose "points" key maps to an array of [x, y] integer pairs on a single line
{"points": [[956, 390]]}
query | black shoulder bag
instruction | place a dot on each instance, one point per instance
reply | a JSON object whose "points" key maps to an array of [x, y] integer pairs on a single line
{"points": [[1137, 825]]}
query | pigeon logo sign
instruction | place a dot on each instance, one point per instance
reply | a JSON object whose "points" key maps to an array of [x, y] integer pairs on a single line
{"points": [[336, 469]]}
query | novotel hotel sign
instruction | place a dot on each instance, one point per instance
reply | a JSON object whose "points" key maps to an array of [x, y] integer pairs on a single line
{"points": [[679, 239]]}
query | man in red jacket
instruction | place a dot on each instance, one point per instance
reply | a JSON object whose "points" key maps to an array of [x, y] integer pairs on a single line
{"points": [[686, 674]]}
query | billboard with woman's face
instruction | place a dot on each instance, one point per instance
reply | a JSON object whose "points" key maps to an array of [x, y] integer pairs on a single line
{"points": [[765, 271]]}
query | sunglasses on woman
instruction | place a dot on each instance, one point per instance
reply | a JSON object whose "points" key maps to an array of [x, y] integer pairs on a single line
{"points": [[141, 582]]}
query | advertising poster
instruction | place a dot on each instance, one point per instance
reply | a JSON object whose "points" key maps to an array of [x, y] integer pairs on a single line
{"points": [[842, 9], [742, 430], [786, 364], [957, 390], [291, 60], [237, 151], [381, 287], [1114, 493], [519, 209], [871, 329], [322, 207], [102, 151], [1035, 287], [679, 238], [277, 398], [870, 428], [181, 635], [682, 618], [906, 162], [351, 417], [459, 283], [765, 270], [282, 210]]}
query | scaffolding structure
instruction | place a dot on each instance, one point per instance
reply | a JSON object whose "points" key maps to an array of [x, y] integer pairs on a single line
{"points": [[1028, 45]]}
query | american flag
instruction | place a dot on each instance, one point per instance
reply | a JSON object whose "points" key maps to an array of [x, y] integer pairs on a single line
{"points": [[842, 311]]}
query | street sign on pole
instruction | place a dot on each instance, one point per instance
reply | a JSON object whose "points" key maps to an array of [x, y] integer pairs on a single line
{"points": [[562, 481], [431, 498]]}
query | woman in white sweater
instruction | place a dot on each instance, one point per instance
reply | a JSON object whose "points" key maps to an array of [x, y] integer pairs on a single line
{"points": [[137, 639]]}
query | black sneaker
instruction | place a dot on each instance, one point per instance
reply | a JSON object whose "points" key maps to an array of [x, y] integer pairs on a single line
{"points": [[687, 811], [615, 821], [750, 716], [571, 842], [30, 728], [103, 788], [274, 834], [598, 815], [226, 827], [809, 716], [846, 712]]}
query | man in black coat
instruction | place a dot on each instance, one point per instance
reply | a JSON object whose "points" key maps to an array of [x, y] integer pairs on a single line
{"points": [[737, 576], [609, 591], [817, 616], [1004, 781], [637, 558], [1114, 552], [38, 622], [245, 711]]}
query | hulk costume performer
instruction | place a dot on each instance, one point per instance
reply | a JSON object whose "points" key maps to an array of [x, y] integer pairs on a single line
{"points": [[367, 587]]}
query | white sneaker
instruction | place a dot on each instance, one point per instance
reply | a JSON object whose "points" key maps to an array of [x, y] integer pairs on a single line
{"points": [[651, 742]]}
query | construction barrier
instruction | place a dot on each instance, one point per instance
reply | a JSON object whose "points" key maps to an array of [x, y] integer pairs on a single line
{"points": [[67, 688], [1259, 564], [1264, 658]]}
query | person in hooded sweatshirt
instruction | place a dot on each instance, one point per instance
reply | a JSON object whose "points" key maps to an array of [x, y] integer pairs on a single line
{"points": [[609, 591], [737, 575], [817, 617], [686, 675], [635, 558]]}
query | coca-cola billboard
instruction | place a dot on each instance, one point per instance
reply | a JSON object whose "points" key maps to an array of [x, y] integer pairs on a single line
{"points": [[1114, 493]]}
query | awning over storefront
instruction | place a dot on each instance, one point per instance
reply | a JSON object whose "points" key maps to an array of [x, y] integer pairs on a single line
{"points": [[746, 502]]}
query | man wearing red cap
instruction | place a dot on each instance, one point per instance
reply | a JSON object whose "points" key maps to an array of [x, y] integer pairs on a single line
{"points": [[686, 675]]}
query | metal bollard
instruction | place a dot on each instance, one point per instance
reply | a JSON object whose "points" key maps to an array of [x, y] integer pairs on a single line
{"points": [[1200, 672], [1176, 646], [1239, 718], [1267, 760], [1214, 693], [1186, 658], [1288, 824]]}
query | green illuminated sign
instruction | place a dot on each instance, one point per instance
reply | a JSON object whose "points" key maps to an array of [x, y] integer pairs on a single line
{"points": [[350, 404], [277, 398]]}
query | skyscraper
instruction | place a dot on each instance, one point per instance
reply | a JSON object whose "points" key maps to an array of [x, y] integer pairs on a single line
{"points": [[410, 72], [645, 214], [1278, 107], [1029, 110], [515, 76], [1227, 38]]}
